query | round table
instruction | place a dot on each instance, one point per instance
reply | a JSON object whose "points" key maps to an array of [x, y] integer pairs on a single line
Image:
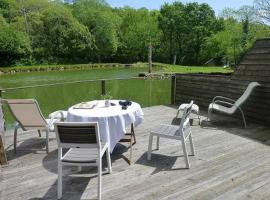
{"points": [[112, 120]]}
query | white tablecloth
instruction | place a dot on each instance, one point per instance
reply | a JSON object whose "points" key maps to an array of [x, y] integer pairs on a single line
{"points": [[112, 120]]}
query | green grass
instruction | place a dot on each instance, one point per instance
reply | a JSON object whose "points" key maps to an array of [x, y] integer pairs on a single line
{"points": [[164, 68], [193, 69], [60, 67]]}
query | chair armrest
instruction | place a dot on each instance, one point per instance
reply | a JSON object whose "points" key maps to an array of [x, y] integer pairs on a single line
{"points": [[223, 102], [217, 98]]}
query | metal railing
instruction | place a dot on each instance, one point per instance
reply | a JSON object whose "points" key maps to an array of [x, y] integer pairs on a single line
{"points": [[103, 84]]}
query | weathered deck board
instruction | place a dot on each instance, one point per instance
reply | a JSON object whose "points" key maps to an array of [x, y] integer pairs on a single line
{"points": [[230, 163]]}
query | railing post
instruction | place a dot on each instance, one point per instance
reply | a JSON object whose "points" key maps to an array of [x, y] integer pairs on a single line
{"points": [[173, 89], [103, 87], [3, 157]]}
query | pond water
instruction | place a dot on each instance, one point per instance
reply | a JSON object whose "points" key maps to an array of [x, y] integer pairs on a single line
{"points": [[61, 97]]}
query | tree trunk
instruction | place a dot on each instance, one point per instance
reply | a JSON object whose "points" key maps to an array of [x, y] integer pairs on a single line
{"points": [[174, 59], [150, 58]]}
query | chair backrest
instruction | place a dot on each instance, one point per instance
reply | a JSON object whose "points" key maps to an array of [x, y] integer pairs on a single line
{"points": [[246, 94], [186, 114], [26, 112], [77, 134]]}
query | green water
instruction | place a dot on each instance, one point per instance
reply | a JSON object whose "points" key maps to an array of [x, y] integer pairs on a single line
{"points": [[61, 97]]}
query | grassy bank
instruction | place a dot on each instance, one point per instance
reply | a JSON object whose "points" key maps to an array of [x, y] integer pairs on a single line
{"points": [[40, 68], [167, 68]]}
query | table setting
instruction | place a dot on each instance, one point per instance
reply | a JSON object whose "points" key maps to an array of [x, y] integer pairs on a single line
{"points": [[113, 117]]}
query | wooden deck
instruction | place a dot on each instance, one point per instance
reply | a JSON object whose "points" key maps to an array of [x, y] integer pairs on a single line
{"points": [[230, 163]]}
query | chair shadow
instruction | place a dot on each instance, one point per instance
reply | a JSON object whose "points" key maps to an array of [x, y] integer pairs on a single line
{"points": [[50, 164], [118, 152], [73, 186], [160, 162], [233, 125], [29, 146], [220, 124]]}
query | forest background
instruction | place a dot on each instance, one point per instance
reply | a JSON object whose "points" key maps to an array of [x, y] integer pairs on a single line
{"points": [[41, 32]]}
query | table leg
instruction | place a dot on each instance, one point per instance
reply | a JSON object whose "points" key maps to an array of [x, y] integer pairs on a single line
{"points": [[131, 140]]}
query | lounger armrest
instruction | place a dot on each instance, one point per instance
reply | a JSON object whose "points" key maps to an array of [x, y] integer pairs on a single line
{"points": [[218, 98], [224, 102]]}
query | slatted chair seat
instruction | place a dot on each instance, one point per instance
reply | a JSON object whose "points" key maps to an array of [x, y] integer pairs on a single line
{"points": [[167, 130], [78, 155]]}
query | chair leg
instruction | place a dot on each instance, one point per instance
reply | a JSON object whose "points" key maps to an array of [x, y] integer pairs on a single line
{"points": [[39, 133], [199, 117], [47, 141], [208, 115], [133, 133], [59, 181], [157, 143], [109, 163], [191, 145], [99, 177], [17, 126], [150, 147], [185, 153], [178, 111], [130, 148], [243, 117]]}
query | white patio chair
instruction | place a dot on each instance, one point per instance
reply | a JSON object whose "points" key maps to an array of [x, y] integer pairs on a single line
{"points": [[85, 149], [28, 116], [60, 115], [195, 110], [181, 132], [229, 106]]}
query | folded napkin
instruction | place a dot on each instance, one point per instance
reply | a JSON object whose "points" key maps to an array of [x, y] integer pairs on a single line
{"points": [[84, 105]]}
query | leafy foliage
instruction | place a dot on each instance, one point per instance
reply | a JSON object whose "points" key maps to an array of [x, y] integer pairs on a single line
{"points": [[185, 28], [103, 23], [14, 45], [51, 32], [138, 29]]}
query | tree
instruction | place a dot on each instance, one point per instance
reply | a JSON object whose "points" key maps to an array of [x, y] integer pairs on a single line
{"points": [[102, 22], [14, 45], [185, 29], [227, 44], [263, 9], [171, 22], [137, 30], [64, 37], [202, 23]]}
